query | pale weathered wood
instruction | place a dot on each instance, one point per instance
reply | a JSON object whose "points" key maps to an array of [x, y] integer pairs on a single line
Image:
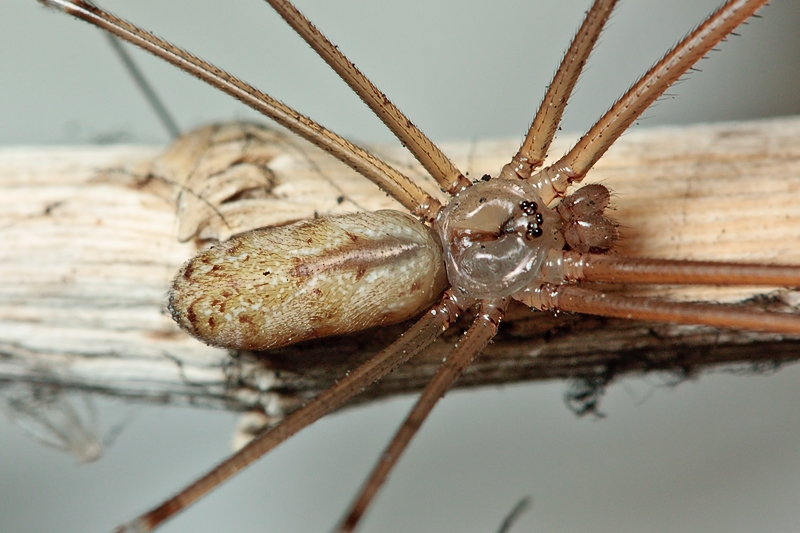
{"points": [[89, 248]]}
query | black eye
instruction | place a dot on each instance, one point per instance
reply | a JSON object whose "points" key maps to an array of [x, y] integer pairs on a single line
{"points": [[534, 231], [529, 208]]}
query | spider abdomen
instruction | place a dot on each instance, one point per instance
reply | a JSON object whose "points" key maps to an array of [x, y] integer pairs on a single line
{"points": [[333, 275]]}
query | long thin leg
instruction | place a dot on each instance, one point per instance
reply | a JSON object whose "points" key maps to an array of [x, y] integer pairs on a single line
{"points": [[428, 154], [595, 302], [419, 337], [572, 266], [521, 506], [543, 128], [482, 330], [144, 86], [387, 178], [554, 180]]}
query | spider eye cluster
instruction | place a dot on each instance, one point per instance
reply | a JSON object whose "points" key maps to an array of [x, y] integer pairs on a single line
{"points": [[534, 227], [495, 236]]}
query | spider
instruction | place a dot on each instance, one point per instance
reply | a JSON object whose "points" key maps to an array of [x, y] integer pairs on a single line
{"points": [[533, 226]]}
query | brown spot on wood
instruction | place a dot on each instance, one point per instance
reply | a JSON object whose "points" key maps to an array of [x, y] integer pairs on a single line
{"points": [[215, 268], [317, 292], [212, 323], [414, 287], [187, 272], [48, 210], [353, 237], [360, 271], [245, 319], [164, 335], [222, 307], [226, 294]]}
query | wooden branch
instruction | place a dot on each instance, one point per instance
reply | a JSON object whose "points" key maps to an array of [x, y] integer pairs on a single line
{"points": [[89, 249]]}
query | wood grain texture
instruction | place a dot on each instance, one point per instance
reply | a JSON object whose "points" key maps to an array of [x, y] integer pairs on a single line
{"points": [[90, 247]]}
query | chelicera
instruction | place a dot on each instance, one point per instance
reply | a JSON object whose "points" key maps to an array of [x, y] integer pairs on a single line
{"points": [[519, 235]]}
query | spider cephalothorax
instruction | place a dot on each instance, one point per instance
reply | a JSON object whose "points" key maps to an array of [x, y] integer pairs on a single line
{"points": [[496, 235]]}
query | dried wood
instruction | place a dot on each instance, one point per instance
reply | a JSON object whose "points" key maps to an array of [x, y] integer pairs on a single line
{"points": [[90, 245]]}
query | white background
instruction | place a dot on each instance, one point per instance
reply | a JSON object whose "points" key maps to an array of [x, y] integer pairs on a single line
{"points": [[717, 454]]}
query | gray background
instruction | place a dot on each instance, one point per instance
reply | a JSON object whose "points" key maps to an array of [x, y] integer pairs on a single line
{"points": [[716, 454]]}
